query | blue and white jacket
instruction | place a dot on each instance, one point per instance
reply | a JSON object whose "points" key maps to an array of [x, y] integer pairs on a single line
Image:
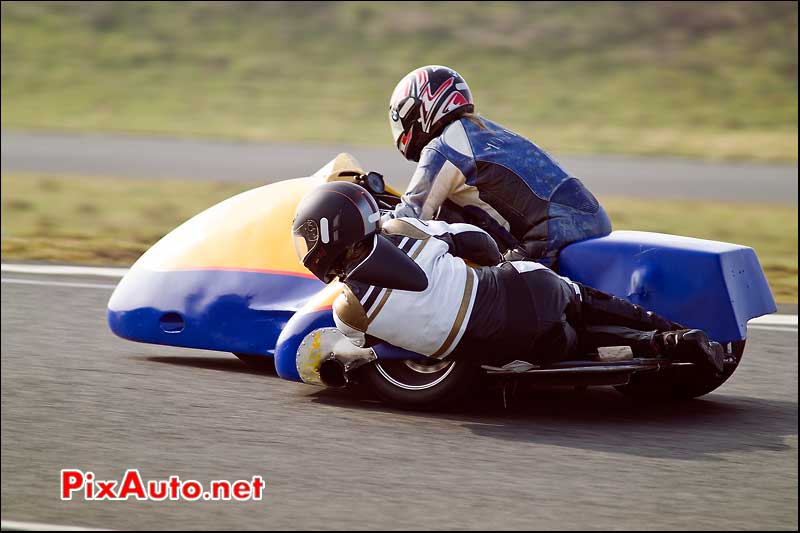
{"points": [[511, 179]]}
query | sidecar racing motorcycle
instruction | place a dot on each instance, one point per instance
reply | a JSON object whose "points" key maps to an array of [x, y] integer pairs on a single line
{"points": [[228, 279]]}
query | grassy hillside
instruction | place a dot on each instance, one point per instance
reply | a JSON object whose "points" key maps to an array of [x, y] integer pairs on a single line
{"points": [[708, 79]]}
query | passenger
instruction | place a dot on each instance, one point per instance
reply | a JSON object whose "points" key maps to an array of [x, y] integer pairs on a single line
{"points": [[502, 181]]}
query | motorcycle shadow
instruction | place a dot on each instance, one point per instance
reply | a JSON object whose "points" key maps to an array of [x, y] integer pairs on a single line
{"points": [[597, 419], [222, 364], [602, 420]]}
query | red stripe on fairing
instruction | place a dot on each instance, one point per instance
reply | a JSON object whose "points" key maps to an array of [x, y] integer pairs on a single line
{"points": [[234, 269]]}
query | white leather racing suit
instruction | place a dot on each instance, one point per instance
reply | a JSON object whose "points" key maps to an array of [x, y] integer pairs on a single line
{"points": [[494, 312], [463, 307], [430, 322]]}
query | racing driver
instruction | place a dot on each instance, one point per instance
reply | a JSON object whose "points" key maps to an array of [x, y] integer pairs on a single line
{"points": [[411, 283]]}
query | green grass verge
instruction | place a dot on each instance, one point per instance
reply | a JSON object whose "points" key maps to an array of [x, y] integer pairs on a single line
{"points": [[703, 79], [112, 221]]}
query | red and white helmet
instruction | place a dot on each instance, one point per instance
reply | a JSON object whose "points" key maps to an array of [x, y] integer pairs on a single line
{"points": [[423, 103]]}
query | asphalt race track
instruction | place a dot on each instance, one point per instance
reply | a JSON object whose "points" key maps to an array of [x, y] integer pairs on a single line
{"points": [[75, 396], [159, 157]]}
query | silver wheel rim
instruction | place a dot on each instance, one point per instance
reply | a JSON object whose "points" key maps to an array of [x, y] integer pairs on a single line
{"points": [[424, 368], [391, 379]]}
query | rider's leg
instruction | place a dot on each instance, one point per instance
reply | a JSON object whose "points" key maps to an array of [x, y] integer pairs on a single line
{"points": [[575, 320], [600, 308], [574, 215], [641, 342], [550, 296], [560, 306], [605, 320]]}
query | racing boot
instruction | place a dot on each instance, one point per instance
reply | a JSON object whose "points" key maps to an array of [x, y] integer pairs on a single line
{"points": [[694, 346]]}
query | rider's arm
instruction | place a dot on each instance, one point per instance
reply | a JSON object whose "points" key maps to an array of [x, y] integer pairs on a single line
{"points": [[471, 243], [433, 181], [463, 240], [351, 319]]}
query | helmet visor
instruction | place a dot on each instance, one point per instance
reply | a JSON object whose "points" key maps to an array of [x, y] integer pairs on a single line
{"points": [[305, 239]]}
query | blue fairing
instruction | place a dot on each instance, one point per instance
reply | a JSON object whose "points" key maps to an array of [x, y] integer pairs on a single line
{"points": [[293, 334], [384, 350], [303, 323], [710, 285], [223, 310], [713, 286]]}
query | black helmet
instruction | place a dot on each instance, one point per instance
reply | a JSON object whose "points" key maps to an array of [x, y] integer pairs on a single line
{"points": [[423, 103], [331, 220]]}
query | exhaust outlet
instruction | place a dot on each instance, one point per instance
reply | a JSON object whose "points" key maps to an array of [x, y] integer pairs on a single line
{"points": [[332, 373]]}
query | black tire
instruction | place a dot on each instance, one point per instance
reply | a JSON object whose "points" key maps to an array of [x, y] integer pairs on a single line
{"points": [[257, 362], [680, 383], [412, 385]]}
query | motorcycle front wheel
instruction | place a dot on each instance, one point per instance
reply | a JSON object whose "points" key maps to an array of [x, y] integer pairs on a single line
{"points": [[419, 384]]}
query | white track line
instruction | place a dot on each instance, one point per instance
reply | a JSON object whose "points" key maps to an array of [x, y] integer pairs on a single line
{"points": [[13, 525], [773, 328], [19, 281], [64, 270], [775, 320]]}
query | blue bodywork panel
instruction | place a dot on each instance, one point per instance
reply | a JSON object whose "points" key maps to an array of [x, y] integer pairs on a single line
{"points": [[713, 286], [293, 334], [232, 311], [303, 323], [710, 285], [384, 350]]}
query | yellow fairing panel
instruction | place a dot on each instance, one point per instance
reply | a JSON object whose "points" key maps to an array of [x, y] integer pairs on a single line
{"points": [[251, 231]]}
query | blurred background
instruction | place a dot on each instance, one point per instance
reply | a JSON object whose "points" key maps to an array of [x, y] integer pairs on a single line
{"points": [[705, 79], [120, 120], [614, 90]]}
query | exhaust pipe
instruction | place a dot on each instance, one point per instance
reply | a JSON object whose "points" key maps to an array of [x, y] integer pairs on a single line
{"points": [[332, 373], [325, 356]]}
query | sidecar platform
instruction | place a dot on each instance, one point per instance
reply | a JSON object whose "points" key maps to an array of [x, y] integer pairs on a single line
{"points": [[585, 373]]}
